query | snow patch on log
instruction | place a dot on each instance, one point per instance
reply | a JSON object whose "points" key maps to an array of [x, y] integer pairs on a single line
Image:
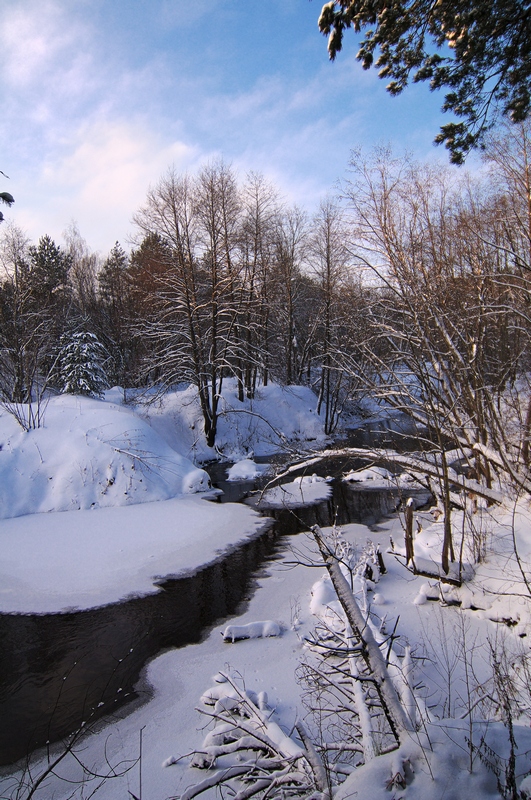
{"points": [[253, 630]]}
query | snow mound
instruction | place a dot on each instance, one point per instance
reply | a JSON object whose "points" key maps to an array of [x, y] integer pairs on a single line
{"points": [[252, 630], [245, 470], [302, 491], [89, 454]]}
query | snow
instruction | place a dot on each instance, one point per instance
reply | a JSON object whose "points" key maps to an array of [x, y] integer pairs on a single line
{"points": [[89, 454], [253, 630], [98, 504], [277, 417], [102, 503], [379, 478], [245, 470], [81, 559], [306, 490], [437, 758]]}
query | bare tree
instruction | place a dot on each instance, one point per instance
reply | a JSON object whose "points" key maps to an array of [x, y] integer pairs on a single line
{"points": [[328, 257], [438, 316], [260, 212], [192, 295], [290, 344]]}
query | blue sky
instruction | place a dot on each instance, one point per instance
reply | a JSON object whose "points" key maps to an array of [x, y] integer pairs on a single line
{"points": [[100, 97]]}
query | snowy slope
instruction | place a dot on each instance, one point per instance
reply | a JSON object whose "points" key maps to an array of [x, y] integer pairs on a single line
{"points": [[277, 418], [88, 454]]}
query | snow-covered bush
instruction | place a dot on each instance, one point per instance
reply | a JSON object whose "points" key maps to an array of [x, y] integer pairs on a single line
{"points": [[257, 757]]}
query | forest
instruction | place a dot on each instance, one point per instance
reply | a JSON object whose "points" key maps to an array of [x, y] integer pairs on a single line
{"points": [[410, 284], [408, 288]]}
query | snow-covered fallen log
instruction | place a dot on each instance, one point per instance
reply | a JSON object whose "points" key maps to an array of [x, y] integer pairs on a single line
{"points": [[398, 719], [409, 463], [252, 630]]}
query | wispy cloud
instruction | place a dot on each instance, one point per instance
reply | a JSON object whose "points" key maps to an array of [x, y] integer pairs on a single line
{"points": [[101, 181], [98, 99]]}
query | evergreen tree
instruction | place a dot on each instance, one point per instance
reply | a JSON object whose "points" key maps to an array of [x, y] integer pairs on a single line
{"points": [[479, 50], [113, 279], [81, 365], [117, 315], [48, 274]]}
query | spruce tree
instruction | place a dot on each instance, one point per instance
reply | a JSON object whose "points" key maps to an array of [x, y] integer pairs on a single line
{"points": [[81, 365]]}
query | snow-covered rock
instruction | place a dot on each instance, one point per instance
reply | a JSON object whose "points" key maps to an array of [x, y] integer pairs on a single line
{"points": [[245, 470]]}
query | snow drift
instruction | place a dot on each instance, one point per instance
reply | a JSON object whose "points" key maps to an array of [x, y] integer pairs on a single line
{"points": [[88, 454]]}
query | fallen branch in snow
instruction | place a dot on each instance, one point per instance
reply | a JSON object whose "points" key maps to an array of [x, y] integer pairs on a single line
{"points": [[274, 764], [319, 772], [425, 573], [409, 463]]}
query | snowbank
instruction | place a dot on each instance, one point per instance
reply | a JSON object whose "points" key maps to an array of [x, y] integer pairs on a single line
{"points": [[88, 454], [277, 416], [380, 478], [123, 474], [52, 562], [245, 470]]}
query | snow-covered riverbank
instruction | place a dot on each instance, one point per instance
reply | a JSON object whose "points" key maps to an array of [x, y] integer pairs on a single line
{"points": [[84, 559], [446, 642], [140, 518], [104, 500]]}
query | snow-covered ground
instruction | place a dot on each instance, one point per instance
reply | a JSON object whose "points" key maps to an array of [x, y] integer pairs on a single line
{"points": [[104, 500], [304, 490], [446, 641]]}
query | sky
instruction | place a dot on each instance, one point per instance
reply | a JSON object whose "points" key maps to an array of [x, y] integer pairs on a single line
{"points": [[101, 97]]}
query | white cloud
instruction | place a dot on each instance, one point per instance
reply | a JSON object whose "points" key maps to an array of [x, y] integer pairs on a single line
{"points": [[95, 111], [100, 182], [34, 37]]}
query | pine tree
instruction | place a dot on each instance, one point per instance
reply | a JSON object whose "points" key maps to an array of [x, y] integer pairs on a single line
{"points": [[81, 365], [477, 50]]}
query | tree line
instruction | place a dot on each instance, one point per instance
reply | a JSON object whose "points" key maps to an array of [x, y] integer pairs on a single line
{"points": [[225, 280], [411, 284]]}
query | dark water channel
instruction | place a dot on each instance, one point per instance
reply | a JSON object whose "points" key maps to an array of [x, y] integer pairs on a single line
{"points": [[58, 670]]}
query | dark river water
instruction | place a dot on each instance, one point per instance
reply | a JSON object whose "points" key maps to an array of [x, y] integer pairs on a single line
{"points": [[59, 670]]}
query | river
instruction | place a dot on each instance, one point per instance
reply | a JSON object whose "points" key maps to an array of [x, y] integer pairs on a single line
{"points": [[59, 670]]}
